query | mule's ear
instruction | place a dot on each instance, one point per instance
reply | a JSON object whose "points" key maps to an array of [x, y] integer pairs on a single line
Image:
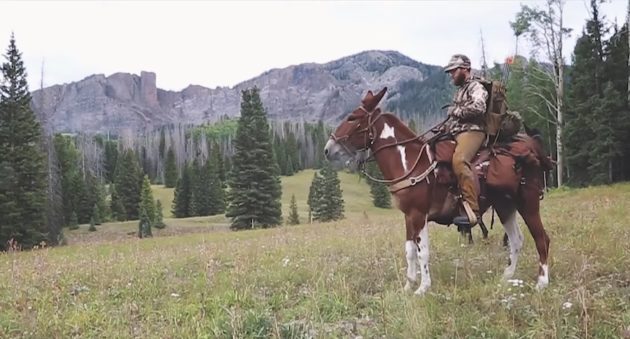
{"points": [[379, 96], [367, 100]]}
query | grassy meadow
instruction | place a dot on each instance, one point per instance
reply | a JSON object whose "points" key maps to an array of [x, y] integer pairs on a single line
{"points": [[197, 279]]}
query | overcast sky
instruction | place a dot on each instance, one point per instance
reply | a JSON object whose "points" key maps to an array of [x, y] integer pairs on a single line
{"points": [[213, 43]]}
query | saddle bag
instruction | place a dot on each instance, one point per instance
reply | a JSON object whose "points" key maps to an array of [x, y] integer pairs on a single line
{"points": [[503, 174]]}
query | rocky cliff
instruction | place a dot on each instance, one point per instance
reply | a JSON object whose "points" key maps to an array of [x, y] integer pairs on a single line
{"points": [[307, 92]]}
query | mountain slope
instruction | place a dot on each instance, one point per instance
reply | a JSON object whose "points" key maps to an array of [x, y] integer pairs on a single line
{"points": [[308, 92]]}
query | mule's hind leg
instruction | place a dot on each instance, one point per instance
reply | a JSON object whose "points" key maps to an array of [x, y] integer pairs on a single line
{"points": [[507, 215], [531, 215]]}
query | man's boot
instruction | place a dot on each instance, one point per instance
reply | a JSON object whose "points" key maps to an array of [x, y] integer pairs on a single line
{"points": [[469, 202]]}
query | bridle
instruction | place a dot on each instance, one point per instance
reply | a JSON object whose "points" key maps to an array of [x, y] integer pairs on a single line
{"points": [[370, 133]]}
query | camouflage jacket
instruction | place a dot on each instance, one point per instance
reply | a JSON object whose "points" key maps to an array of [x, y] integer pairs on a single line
{"points": [[468, 109]]}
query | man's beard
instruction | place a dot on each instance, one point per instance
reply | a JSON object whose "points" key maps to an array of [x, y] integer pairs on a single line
{"points": [[460, 79]]}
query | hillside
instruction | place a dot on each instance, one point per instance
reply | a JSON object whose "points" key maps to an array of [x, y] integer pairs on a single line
{"points": [[340, 279], [304, 92]]}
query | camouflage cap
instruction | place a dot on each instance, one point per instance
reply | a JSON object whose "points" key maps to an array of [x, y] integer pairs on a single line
{"points": [[457, 61]]}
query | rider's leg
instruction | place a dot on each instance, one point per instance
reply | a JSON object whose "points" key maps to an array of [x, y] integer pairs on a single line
{"points": [[468, 143]]}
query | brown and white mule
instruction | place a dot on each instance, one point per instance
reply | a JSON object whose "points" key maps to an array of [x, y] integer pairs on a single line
{"points": [[409, 165]]}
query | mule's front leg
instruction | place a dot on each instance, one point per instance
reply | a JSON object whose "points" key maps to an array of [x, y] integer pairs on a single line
{"points": [[423, 254], [411, 253]]}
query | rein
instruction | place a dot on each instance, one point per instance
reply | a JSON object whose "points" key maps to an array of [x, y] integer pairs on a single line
{"points": [[400, 182]]}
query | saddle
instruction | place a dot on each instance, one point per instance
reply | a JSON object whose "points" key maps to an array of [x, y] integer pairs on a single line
{"points": [[498, 167]]}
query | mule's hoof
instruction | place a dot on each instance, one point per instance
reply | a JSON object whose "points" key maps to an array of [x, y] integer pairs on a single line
{"points": [[422, 290], [542, 283], [408, 287], [508, 273]]}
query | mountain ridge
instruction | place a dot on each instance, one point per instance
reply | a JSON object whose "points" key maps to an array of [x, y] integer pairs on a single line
{"points": [[302, 92]]}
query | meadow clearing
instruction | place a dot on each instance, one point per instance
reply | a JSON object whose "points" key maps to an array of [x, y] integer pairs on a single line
{"points": [[197, 279]]}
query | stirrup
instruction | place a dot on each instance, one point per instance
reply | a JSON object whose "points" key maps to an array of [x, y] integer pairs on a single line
{"points": [[467, 221]]}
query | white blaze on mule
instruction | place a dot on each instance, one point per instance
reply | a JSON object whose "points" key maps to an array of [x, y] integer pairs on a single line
{"points": [[543, 280], [411, 253], [423, 254], [417, 255], [403, 157], [516, 243], [388, 132]]}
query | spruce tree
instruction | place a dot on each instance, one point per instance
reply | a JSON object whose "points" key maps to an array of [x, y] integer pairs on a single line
{"points": [[380, 194], [254, 195], [111, 158], [23, 199], [117, 207], [330, 204], [146, 200], [96, 215], [294, 217], [159, 216], [170, 169], [217, 193], [68, 157], [182, 195], [128, 181], [92, 227], [314, 194], [101, 203], [144, 224], [202, 199], [74, 222]]}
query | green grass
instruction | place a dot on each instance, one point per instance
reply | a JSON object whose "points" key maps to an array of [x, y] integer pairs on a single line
{"points": [[332, 280], [165, 195]]}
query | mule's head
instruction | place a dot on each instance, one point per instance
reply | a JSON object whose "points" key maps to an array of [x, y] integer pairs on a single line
{"points": [[355, 133]]}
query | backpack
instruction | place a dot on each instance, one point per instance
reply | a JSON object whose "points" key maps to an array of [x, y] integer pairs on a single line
{"points": [[496, 105]]}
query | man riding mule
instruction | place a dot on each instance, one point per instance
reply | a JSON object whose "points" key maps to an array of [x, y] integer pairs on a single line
{"points": [[418, 173], [466, 124]]}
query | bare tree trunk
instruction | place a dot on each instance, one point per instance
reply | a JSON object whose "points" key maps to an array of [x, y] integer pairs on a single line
{"points": [[560, 105]]}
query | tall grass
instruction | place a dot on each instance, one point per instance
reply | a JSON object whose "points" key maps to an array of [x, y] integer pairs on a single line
{"points": [[333, 280]]}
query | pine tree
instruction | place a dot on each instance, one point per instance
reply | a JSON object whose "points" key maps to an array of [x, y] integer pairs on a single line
{"points": [[68, 156], [380, 194], [170, 169], [254, 196], [111, 158], [314, 194], [92, 227], [144, 224], [325, 196], [117, 208], [147, 203], [182, 195], [294, 217], [330, 204], [216, 192], [74, 222], [96, 215], [101, 203], [23, 199], [128, 180], [159, 218], [202, 199]]}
